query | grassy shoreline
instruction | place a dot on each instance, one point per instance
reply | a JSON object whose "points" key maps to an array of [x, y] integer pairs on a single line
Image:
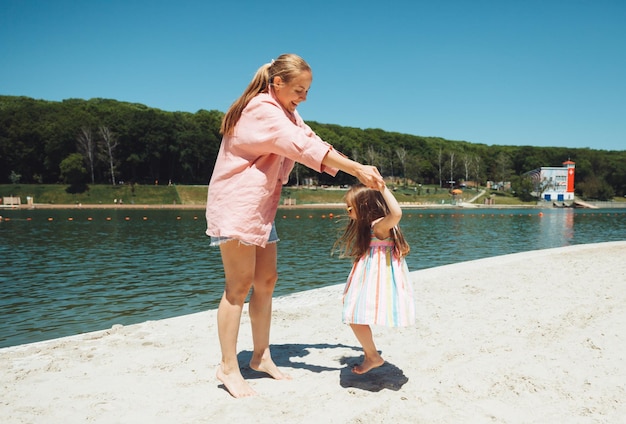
{"points": [[53, 196], [194, 197]]}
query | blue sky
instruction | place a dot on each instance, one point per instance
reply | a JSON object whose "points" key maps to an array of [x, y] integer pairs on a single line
{"points": [[525, 72]]}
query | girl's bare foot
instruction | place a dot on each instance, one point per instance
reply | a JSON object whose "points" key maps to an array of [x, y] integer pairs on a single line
{"points": [[368, 364], [268, 366], [234, 383]]}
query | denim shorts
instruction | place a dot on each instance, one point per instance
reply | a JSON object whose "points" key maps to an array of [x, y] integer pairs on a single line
{"points": [[216, 241]]}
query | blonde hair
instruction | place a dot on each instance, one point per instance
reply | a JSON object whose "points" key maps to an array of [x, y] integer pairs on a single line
{"points": [[286, 66], [368, 205]]}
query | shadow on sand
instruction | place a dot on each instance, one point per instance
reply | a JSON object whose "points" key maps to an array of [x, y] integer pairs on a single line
{"points": [[388, 376]]}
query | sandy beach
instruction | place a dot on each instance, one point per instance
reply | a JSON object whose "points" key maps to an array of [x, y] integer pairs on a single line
{"points": [[535, 337]]}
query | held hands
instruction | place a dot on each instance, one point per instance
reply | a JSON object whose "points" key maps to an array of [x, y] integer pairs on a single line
{"points": [[370, 177]]}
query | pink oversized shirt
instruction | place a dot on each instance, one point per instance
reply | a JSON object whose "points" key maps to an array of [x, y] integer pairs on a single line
{"points": [[252, 166]]}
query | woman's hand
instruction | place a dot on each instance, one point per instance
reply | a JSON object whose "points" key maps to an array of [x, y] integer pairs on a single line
{"points": [[370, 177]]}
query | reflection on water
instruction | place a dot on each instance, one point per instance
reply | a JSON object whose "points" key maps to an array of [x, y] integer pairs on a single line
{"points": [[70, 271]]}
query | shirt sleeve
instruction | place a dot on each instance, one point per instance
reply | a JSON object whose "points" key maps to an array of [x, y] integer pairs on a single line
{"points": [[264, 128]]}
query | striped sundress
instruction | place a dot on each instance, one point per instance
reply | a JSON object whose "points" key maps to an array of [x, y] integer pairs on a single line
{"points": [[379, 290]]}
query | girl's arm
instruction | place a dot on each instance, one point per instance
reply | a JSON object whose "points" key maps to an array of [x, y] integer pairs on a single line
{"points": [[382, 229]]}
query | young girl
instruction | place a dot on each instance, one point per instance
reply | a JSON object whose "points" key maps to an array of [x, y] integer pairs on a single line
{"points": [[378, 290]]}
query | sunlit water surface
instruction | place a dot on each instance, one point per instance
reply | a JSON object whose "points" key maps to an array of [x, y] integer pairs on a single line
{"points": [[65, 272]]}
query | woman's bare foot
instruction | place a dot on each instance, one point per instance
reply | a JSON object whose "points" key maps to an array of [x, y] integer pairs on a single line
{"points": [[234, 383], [268, 366], [368, 364]]}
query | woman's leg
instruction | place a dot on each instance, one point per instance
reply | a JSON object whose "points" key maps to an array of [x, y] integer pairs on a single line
{"points": [[239, 263], [260, 309], [372, 358]]}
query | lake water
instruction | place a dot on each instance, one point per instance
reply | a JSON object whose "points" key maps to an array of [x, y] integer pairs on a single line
{"points": [[64, 272]]}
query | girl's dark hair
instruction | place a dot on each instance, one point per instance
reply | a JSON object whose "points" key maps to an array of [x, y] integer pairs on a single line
{"points": [[368, 205]]}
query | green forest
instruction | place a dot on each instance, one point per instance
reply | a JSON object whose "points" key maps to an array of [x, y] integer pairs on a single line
{"points": [[103, 141]]}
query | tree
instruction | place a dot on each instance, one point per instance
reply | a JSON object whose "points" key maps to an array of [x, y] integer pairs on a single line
{"points": [[451, 181], [595, 188], [502, 170], [401, 153], [371, 155], [108, 146], [14, 177], [37, 135], [440, 161], [414, 169], [87, 147], [355, 155], [523, 187], [476, 163], [73, 172]]}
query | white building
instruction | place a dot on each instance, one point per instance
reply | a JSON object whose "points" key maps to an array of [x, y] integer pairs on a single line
{"points": [[554, 183]]}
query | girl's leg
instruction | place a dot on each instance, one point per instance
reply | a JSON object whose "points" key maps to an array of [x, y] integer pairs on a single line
{"points": [[239, 264], [372, 358], [260, 309]]}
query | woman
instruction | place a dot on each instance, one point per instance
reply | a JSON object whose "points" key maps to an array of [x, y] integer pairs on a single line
{"points": [[263, 137]]}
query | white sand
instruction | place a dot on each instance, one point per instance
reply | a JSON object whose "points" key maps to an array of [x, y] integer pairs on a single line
{"points": [[536, 337]]}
